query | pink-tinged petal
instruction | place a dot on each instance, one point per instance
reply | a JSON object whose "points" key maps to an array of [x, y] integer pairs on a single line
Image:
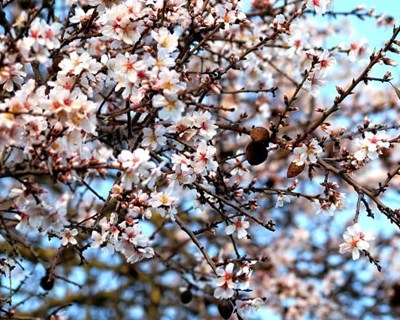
{"points": [[230, 284], [220, 282], [228, 293], [360, 155], [246, 224], [223, 293], [8, 86]]}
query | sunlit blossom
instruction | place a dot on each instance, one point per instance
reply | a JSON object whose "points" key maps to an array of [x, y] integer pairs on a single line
{"points": [[355, 241]]}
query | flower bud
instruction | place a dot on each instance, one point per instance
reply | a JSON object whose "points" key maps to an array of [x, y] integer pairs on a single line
{"points": [[294, 170], [389, 62]]}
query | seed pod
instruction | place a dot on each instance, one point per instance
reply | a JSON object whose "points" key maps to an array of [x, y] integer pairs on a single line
{"points": [[225, 308], [294, 170], [186, 296], [256, 153], [133, 272], [259, 134], [47, 283], [394, 295]]}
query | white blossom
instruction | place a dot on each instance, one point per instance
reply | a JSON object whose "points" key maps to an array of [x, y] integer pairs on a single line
{"points": [[371, 144], [307, 153], [154, 137], [355, 241], [68, 236], [239, 225], [224, 282], [165, 39], [320, 6]]}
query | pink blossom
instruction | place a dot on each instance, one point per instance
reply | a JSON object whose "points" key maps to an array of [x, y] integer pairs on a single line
{"points": [[118, 24], [204, 158], [11, 75], [133, 159], [162, 62], [326, 61], [164, 203], [68, 236], [355, 241], [203, 121], [98, 239], [314, 83], [168, 81], [128, 66], [239, 225]]}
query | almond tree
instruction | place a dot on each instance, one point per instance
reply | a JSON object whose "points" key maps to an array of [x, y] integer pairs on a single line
{"points": [[197, 159]]}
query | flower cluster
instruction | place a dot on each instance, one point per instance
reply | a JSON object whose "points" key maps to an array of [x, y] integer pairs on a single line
{"points": [[322, 63], [44, 217], [228, 280], [136, 165], [370, 146], [122, 22], [41, 39], [320, 6], [125, 237], [335, 199]]}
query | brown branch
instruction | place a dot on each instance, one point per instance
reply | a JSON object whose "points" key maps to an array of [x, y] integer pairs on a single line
{"points": [[197, 243], [374, 59], [389, 213], [269, 225]]}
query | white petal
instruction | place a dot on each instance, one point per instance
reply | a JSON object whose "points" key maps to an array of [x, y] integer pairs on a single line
{"points": [[242, 233], [355, 254], [229, 268], [230, 229]]}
